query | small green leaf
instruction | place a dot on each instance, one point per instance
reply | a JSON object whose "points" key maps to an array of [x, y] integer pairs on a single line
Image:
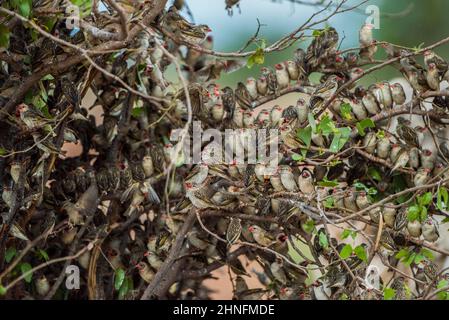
{"points": [[136, 112], [402, 254], [25, 268], [296, 157], [323, 240], [326, 126], [305, 135], [329, 202], [258, 57], [309, 226], [9, 254], [419, 258], [362, 125], [410, 259], [347, 232], [360, 252], [346, 251], [119, 278], [389, 293], [413, 213], [442, 198], [328, 183], [43, 254], [374, 174], [423, 214], [4, 36], [425, 199], [345, 111], [317, 33], [2, 151], [2, 290], [312, 122], [127, 285], [427, 253]]}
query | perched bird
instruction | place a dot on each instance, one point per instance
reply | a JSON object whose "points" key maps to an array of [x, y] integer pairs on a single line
{"points": [[421, 177], [251, 87], [305, 182], [406, 132], [368, 51], [427, 159], [272, 83], [293, 70], [260, 236], [234, 230], [282, 76], [389, 214], [288, 178], [242, 96], [145, 271], [328, 88], [401, 159], [228, 99], [431, 57], [430, 230], [432, 77], [262, 85], [398, 94], [366, 35], [414, 228]]}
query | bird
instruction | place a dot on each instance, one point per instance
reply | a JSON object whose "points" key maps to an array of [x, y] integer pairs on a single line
{"points": [[389, 214], [430, 230], [366, 35], [432, 76], [305, 182], [233, 231], [272, 83], [282, 76], [398, 94], [145, 272], [251, 87], [406, 132], [414, 228], [328, 88], [260, 236], [288, 178], [401, 159], [440, 64], [243, 97]]}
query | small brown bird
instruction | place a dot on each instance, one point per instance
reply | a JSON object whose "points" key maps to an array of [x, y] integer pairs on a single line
{"points": [[262, 85], [282, 76], [430, 230], [234, 230], [366, 35], [305, 182], [432, 77], [406, 132], [398, 93], [243, 97], [440, 64]]}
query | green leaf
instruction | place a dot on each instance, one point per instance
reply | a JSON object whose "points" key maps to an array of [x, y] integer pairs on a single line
{"points": [[403, 253], [360, 252], [297, 157], [2, 151], [119, 278], [423, 214], [329, 202], [409, 259], [2, 290], [328, 183], [309, 226], [25, 268], [347, 232], [43, 254], [25, 8], [317, 33], [136, 112], [345, 111], [4, 36], [443, 295], [419, 258], [127, 285], [9, 254], [413, 213], [258, 57], [362, 125], [312, 122], [425, 199], [305, 135], [442, 198], [326, 126], [346, 252], [374, 174], [427, 253], [323, 240], [340, 138], [389, 293]]}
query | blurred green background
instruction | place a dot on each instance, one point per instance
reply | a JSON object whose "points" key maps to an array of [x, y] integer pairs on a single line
{"points": [[403, 22]]}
